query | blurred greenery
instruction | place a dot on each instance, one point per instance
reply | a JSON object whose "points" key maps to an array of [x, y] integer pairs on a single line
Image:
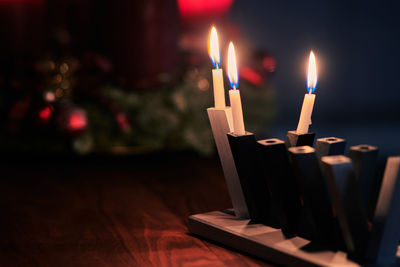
{"points": [[171, 118]]}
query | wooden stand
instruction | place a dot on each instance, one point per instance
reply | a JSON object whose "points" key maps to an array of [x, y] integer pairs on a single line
{"points": [[263, 241]]}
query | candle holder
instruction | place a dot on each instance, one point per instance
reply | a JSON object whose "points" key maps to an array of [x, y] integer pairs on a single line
{"points": [[221, 124], [295, 139], [365, 159], [283, 189], [330, 146], [385, 235], [347, 203], [317, 205], [329, 229], [255, 189]]}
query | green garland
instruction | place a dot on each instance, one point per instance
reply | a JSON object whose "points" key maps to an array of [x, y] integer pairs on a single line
{"points": [[169, 118]]}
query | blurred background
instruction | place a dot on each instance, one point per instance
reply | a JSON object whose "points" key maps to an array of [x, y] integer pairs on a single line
{"points": [[132, 77], [104, 129]]}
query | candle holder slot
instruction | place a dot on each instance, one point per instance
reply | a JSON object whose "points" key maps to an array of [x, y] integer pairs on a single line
{"points": [[221, 124], [283, 189], [316, 202], [295, 139], [255, 189], [347, 203], [365, 159], [330, 146]]}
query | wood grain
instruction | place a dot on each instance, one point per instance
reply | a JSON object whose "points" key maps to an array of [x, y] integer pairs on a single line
{"points": [[97, 213]]}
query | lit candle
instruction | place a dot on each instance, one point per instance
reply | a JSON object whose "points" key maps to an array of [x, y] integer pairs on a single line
{"points": [[218, 80], [309, 98], [234, 93]]}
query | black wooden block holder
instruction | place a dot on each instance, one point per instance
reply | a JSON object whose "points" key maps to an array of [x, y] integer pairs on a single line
{"points": [[365, 159], [264, 168], [347, 203], [295, 139], [330, 146], [283, 189], [315, 194], [255, 190]]}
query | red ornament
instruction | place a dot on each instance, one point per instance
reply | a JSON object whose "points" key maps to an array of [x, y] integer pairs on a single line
{"points": [[77, 120], [203, 8], [269, 63], [251, 76], [123, 122], [45, 114]]}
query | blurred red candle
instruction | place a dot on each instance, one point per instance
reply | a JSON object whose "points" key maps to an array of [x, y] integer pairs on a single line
{"points": [[203, 8]]}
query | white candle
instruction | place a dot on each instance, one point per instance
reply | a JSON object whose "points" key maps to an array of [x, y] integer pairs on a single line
{"points": [[234, 94], [309, 98], [219, 90], [237, 113], [218, 80]]}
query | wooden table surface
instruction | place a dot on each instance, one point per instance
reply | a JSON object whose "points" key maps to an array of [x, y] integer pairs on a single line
{"points": [[124, 213]]}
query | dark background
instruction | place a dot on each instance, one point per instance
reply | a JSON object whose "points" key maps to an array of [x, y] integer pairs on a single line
{"points": [[107, 172], [355, 42], [356, 45]]}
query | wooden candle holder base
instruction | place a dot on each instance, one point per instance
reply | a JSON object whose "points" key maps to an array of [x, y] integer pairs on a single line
{"points": [[265, 242]]}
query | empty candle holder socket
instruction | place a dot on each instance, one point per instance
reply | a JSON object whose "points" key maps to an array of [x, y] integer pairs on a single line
{"points": [[347, 203], [316, 202], [278, 172], [365, 159], [294, 139], [254, 186], [330, 146]]}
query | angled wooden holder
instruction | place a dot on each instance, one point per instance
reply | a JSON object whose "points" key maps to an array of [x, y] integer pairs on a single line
{"points": [[385, 234], [347, 203], [221, 124]]}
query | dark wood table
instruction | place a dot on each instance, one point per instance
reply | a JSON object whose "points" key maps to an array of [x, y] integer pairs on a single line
{"points": [[111, 212]]}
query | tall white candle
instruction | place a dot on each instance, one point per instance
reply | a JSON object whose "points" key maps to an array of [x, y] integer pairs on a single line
{"points": [[218, 80], [234, 93], [237, 112], [309, 98]]}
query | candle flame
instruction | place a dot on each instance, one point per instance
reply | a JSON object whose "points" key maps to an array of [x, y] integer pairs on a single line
{"points": [[312, 78], [232, 67], [213, 48]]}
